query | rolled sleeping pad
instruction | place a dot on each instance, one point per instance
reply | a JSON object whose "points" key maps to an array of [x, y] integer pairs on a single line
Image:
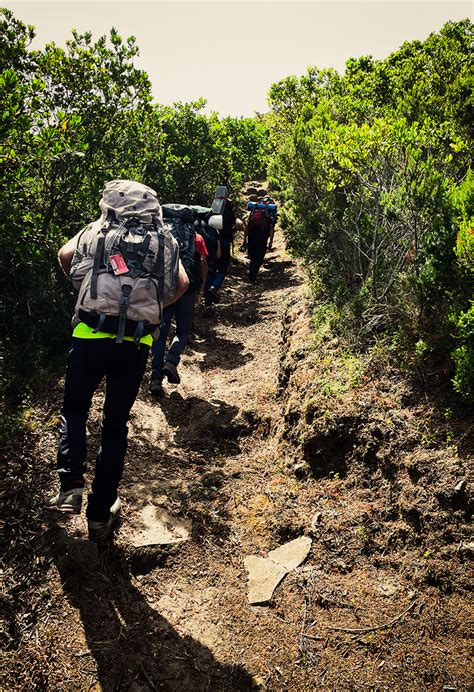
{"points": [[261, 205], [199, 209], [218, 206], [220, 196], [215, 221], [201, 213]]}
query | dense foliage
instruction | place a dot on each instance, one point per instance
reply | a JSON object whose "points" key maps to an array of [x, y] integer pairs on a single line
{"points": [[70, 120], [374, 172], [373, 168]]}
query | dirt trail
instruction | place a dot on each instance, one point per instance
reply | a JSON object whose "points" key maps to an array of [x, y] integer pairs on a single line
{"points": [[176, 617], [216, 456]]}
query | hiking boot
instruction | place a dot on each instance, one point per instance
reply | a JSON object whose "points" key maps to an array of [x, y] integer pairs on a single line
{"points": [[66, 501], [209, 311], [101, 531], [156, 387], [171, 372], [213, 296]]}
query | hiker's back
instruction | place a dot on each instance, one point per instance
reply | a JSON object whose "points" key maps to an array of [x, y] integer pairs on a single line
{"points": [[126, 263], [209, 233], [179, 220]]}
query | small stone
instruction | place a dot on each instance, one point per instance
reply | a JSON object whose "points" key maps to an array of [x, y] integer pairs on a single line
{"points": [[467, 548], [300, 470], [316, 520], [387, 589], [264, 577], [291, 554], [266, 573], [157, 527], [257, 681], [461, 486]]}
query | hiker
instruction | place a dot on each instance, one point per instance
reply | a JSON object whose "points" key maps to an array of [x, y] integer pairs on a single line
{"points": [[273, 210], [204, 225], [259, 232], [126, 268], [193, 255], [226, 236]]}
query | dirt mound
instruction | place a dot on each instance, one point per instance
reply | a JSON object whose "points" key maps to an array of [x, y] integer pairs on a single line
{"points": [[416, 499]]}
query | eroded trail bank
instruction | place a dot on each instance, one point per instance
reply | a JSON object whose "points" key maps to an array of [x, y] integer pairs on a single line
{"points": [[267, 438]]}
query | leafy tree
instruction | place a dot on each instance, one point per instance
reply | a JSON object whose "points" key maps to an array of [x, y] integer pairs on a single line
{"points": [[72, 119], [367, 164]]}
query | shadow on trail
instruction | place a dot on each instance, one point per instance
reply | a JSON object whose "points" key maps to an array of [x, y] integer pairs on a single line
{"points": [[274, 274], [218, 352], [134, 646], [245, 303], [241, 304], [198, 424]]}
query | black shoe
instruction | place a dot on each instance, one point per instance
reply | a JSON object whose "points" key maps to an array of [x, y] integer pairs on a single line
{"points": [[66, 501], [101, 531], [213, 295], [209, 311], [156, 387], [171, 372]]}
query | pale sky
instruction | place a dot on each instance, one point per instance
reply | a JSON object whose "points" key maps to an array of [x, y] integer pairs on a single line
{"points": [[231, 52]]}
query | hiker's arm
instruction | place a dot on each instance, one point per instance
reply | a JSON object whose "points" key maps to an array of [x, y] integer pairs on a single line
{"points": [[204, 271], [219, 251], [240, 227], [66, 254], [243, 247], [272, 233], [182, 285]]}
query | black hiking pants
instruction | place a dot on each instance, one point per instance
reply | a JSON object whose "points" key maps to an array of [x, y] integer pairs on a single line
{"points": [[123, 366], [257, 247]]}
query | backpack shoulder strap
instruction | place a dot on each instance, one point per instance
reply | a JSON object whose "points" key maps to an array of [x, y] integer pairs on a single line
{"points": [[158, 268], [98, 257]]}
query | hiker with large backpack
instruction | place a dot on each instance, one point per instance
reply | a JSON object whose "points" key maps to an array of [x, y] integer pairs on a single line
{"points": [[258, 237], [222, 205], [179, 219], [126, 268], [206, 224]]}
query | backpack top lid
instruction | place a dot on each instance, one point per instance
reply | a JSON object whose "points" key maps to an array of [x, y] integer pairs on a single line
{"points": [[127, 198], [178, 211]]}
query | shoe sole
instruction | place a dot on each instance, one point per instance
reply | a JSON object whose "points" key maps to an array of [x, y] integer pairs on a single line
{"points": [[63, 510]]}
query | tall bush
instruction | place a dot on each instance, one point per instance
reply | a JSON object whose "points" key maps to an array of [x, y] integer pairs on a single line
{"points": [[368, 164]]}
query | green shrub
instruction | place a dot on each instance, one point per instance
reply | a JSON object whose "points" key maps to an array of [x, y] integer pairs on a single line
{"points": [[373, 168]]}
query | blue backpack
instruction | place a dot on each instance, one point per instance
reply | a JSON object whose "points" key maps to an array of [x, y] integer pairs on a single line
{"points": [[179, 219]]}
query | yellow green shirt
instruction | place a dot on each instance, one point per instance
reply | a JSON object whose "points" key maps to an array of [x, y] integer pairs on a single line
{"points": [[83, 331]]}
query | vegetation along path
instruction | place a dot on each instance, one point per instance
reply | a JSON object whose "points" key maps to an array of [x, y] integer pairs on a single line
{"points": [[237, 460]]}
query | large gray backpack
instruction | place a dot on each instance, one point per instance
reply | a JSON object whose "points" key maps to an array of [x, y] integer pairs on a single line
{"points": [[126, 263]]}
